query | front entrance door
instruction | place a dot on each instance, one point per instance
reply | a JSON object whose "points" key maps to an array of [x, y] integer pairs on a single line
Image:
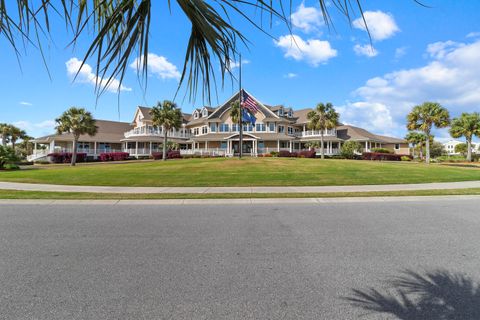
{"points": [[247, 146]]}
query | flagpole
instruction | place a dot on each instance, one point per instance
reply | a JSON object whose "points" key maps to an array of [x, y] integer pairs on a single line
{"points": [[240, 136]]}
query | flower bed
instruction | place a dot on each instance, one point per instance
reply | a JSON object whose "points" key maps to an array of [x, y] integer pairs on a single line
{"points": [[172, 154], [113, 156], [65, 157], [383, 156], [300, 154]]}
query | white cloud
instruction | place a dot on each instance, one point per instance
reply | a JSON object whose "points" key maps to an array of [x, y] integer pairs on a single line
{"points": [[473, 35], [234, 64], [25, 103], [370, 115], [313, 51], [307, 19], [365, 50], [380, 24], [43, 127], [86, 75], [451, 77], [159, 66], [290, 75]]}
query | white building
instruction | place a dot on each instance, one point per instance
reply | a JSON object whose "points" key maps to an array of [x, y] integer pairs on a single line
{"points": [[450, 147]]}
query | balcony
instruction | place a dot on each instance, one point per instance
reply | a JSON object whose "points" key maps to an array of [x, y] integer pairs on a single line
{"points": [[316, 133], [150, 131]]}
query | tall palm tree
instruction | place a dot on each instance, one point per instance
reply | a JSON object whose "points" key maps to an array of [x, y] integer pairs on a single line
{"points": [[425, 116], [122, 29], [168, 116], [416, 139], [76, 121], [15, 134], [5, 133], [467, 125], [324, 117]]}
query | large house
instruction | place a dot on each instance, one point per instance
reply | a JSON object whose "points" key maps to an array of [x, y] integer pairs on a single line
{"points": [[211, 131]]}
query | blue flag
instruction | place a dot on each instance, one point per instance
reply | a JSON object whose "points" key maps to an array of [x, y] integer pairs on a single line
{"points": [[248, 117]]}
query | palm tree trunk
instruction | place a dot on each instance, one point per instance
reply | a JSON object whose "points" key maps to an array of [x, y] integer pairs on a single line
{"points": [[427, 147], [13, 144], [74, 152], [164, 156], [321, 147], [469, 150]]}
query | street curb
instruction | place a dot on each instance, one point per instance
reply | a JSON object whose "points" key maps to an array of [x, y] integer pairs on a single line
{"points": [[248, 201]]}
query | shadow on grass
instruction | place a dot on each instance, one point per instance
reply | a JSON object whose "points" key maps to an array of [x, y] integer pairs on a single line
{"points": [[434, 295]]}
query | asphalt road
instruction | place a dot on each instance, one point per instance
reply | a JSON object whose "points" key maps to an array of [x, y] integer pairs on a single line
{"points": [[271, 261]]}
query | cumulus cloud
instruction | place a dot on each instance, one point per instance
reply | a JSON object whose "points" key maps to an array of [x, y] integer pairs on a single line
{"points": [[25, 103], [307, 19], [159, 66], [365, 50], [450, 77], [473, 35], [313, 51], [290, 75], [86, 75], [381, 25], [234, 64], [372, 115]]}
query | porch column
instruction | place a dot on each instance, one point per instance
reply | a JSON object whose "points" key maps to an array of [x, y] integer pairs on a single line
{"points": [[278, 145], [52, 146], [136, 148], [95, 148], [35, 148], [150, 147], [290, 145], [206, 145], [366, 146]]}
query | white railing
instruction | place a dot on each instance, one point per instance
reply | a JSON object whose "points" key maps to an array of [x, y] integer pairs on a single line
{"points": [[316, 133], [217, 152], [141, 151], [155, 132], [37, 155]]}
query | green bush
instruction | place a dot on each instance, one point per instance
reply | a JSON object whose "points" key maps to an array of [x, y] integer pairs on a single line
{"points": [[7, 156], [454, 158], [274, 153], [381, 150], [349, 149], [405, 158], [11, 166]]}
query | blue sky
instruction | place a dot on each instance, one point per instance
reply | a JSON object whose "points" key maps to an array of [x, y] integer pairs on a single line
{"points": [[418, 54]]}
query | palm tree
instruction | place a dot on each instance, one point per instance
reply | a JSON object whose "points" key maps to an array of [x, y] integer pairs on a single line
{"points": [[425, 116], [168, 116], [324, 117], [467, 125], [5, 133], [235, 111], [15, 134], [122, 29], [416, 139], [76, 121]]}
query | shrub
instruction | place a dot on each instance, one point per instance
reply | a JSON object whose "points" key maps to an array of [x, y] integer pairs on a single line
{"points": [[113, 156], [307, 154], [381, 150], [7, 156], [405, 158], [65, 157], [11, 166], [452, 159], [284, 154], [171, 154], [274, 153], [349, 149], [383, 156]]}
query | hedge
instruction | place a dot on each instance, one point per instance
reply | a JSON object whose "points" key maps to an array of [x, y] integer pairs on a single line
{"points": [[383, 156], [113, 156], [300, 154], [65, 157], [172, 154]]}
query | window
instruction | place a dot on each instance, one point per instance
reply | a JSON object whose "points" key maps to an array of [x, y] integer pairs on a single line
{"points": [[397, 146], [196, 131], [234, 127], [289, 113], [248, 128], [204, 112], [260, 127], [213, 127], [290, 130], [271, 127], [223, 145], [280, 112], [281, 129], [223, 127], [195, 115], [204, 130]]}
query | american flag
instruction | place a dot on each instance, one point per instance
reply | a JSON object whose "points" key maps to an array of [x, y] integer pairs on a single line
{"points": [[249, 103]]}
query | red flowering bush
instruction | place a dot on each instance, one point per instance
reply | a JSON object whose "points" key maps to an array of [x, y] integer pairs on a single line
{"points": [[113, 156], [65, 157], [172, 154], [307, 154]]}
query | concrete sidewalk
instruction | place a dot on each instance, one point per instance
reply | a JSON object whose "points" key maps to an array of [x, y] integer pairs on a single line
{"points": [[300, 189]]}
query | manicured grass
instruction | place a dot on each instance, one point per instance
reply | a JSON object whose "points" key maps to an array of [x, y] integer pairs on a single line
{"points": [[14, 194], [245, 172]]}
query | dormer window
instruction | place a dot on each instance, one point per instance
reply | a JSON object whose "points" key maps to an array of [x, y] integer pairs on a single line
{"points": [[280, 112], [289, 113], [204, 112], [195, 115]]}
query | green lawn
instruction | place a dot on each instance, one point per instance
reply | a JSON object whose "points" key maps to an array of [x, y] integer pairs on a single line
{"points": [[245, 172]]}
